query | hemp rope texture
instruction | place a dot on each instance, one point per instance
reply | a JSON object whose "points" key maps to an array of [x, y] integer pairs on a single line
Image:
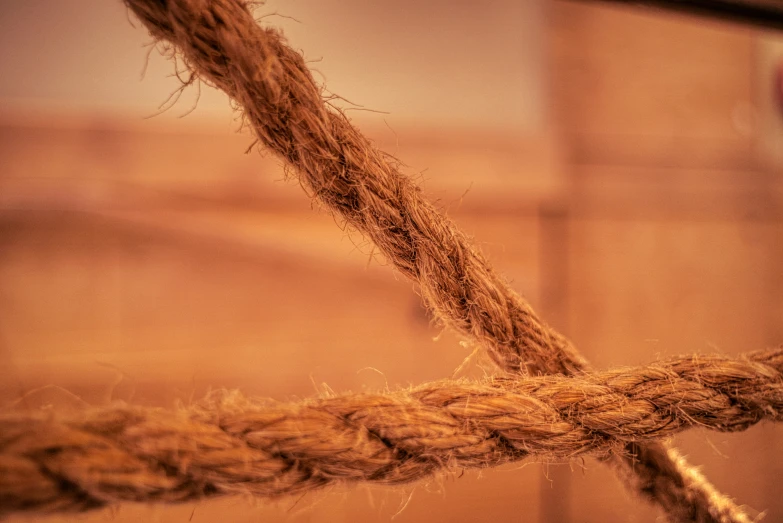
{"points": [[222, 44], [231, 445]]}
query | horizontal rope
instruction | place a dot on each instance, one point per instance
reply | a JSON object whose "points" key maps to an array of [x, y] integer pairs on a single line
{"points": [[229, 444]]}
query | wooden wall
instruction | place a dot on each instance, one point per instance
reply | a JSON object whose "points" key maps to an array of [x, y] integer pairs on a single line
{"points": [[150, 263]]}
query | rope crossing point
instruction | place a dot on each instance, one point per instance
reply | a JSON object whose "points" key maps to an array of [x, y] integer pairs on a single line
{"points": [[223, 45]]}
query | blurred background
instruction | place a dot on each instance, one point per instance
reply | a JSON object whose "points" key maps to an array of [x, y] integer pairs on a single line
{"points": [[622, 166]]}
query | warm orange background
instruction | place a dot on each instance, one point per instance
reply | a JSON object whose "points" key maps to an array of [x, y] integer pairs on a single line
{"points": [[623, 168]]}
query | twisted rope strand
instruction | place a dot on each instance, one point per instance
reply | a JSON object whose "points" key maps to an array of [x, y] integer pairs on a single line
{"points": [[223, 45], [229, 444]]}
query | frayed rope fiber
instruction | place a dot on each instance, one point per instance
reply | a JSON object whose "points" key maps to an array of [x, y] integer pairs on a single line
{"points": [[229, 444], [223, 45]]}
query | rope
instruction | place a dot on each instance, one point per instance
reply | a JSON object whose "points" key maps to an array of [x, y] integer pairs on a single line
{"points": [[222, 44], [229, 444]]}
